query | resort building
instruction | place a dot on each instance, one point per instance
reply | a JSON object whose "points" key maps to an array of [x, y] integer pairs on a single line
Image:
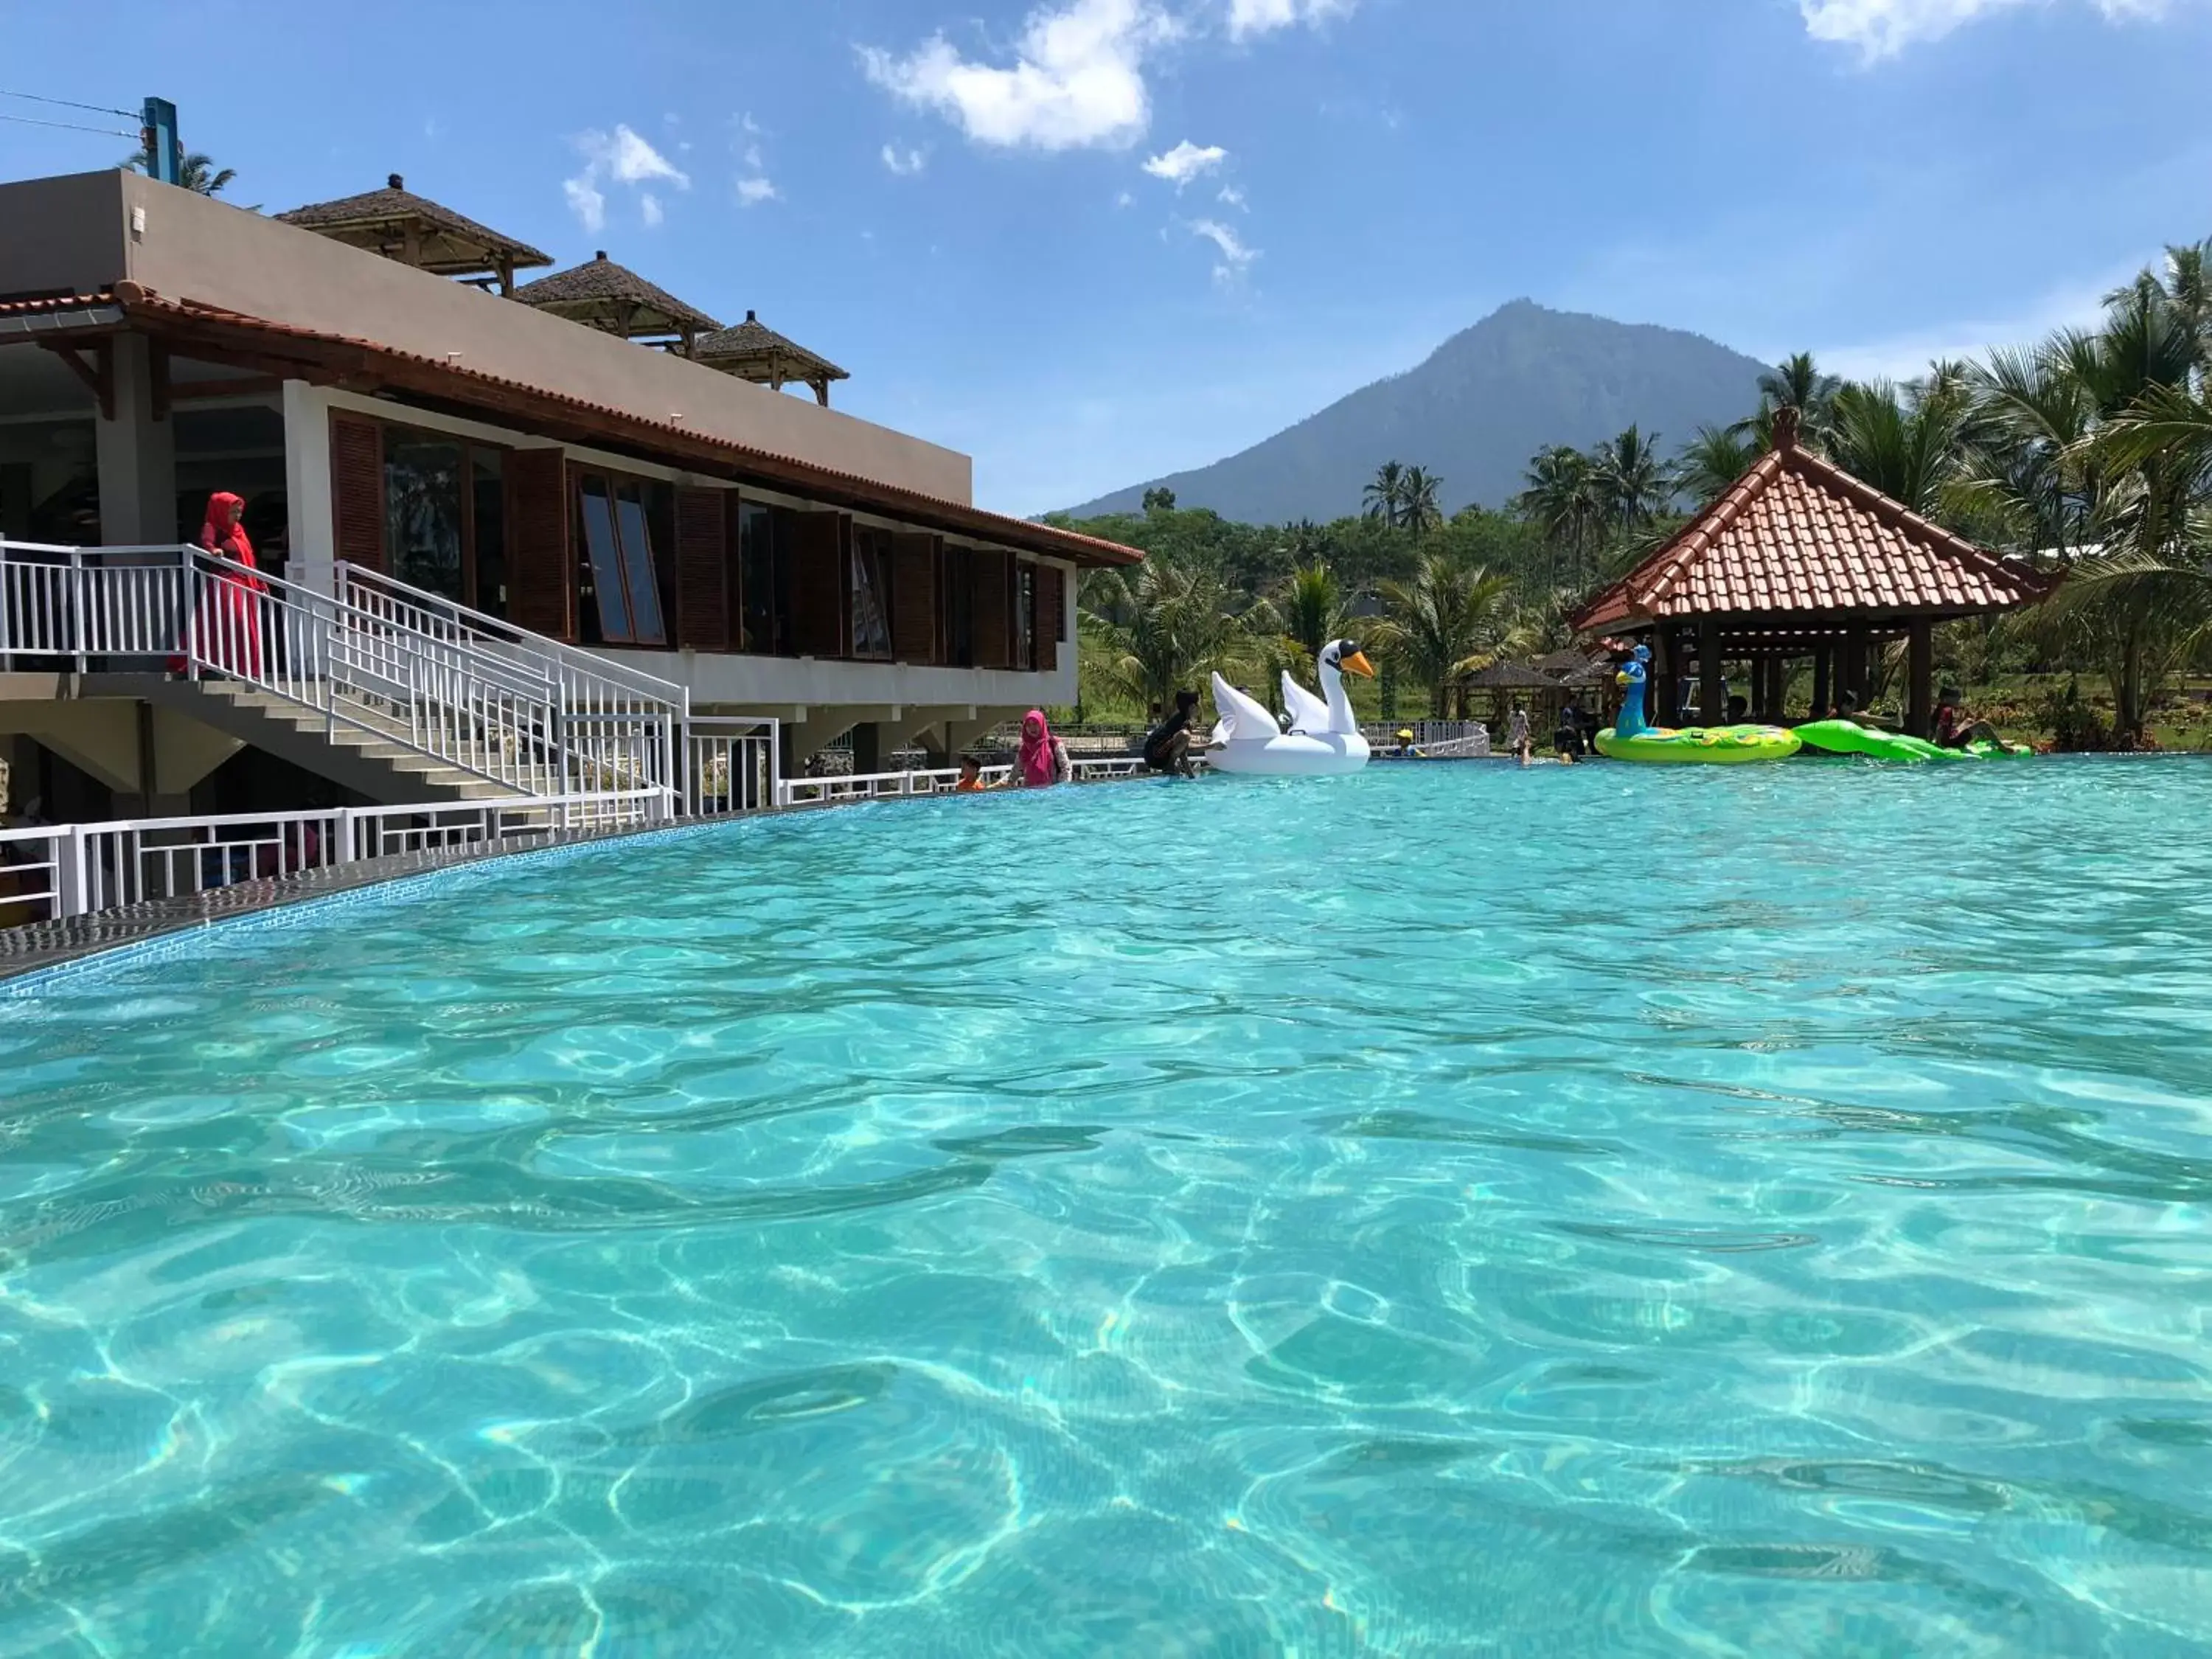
{"points": [[584, 466], [1799, 561]]}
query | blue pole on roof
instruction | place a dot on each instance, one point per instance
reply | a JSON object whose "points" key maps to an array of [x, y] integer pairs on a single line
{"points": [[165, 151]]}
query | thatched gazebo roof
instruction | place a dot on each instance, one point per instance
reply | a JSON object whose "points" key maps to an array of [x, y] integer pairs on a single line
{"points": [[416, 231], [1511, 676], [753, 351], [603, 294]]}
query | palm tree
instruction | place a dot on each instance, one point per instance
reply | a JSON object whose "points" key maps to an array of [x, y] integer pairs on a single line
{"points": [[1312, 613], [1419, 510], [1713, 461], [1562, 502], [1385, 496], [2095, 447], [1165, 630], [1633, 484], [1450, 621], [1797, 383], [1909, 445], [200, 174]]}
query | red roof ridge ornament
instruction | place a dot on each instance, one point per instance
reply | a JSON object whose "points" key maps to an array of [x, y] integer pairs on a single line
{"points": [[1786, 427]]}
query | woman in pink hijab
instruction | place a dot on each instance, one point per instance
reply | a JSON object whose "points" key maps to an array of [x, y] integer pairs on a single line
{"points": [[1043, 759]]}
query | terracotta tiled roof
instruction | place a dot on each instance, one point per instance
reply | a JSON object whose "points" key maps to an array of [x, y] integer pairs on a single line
{"points": [[783, 470], [454, 245], [1798, 534], [601, 291], [46, 302], [753, 341]]}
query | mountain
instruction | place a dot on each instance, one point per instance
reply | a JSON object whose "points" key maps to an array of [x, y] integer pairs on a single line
{"points": [[1487, 399]]}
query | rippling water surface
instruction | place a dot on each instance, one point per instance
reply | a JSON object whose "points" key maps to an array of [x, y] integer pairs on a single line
{"points": [[1451, 1210]]}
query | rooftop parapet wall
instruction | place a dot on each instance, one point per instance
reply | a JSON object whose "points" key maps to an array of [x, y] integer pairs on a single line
{"points": [[75, 234]]}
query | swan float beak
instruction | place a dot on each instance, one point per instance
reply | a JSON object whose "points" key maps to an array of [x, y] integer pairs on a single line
{"points": [[1357, 663]]}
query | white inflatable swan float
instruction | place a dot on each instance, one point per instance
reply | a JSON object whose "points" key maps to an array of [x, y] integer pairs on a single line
{"points": [[1324, 736]]}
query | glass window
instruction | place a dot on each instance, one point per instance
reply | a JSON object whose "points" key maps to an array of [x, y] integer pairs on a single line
{"points": [[604, 554], [871, 633], [637, 565], [765, 543], [960, 608], [1026, 616], [488, 528], [423, 474]]}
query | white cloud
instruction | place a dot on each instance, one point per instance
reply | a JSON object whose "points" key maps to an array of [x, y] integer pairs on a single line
{"points": [[1882, 28], [587, 202], [1125, 200], [1236, 256], [754, 186], [1232, 196], [623, 158], [1902, 356], [1250, 17], [1185, 162], [1077, 80], [905, 162], [648, 207]]}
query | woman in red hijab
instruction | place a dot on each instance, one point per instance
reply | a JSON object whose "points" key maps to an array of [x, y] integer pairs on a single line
{"points": [[227, 626], [1043, 759]]}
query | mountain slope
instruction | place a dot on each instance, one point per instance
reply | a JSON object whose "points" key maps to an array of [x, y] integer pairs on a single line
{"points": [[1485, 401]]}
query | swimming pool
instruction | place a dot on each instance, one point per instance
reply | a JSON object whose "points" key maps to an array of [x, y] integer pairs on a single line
{"points": [[1343, 1216]]}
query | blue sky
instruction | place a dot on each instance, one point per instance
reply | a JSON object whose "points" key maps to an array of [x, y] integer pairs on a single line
{"points": [[1090, 242]]}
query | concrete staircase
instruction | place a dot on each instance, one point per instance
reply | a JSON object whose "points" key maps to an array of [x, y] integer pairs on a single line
{"points": [[375, 757]]}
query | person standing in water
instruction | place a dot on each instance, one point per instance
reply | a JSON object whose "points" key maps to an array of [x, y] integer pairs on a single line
{"points": [[1043, 759]]}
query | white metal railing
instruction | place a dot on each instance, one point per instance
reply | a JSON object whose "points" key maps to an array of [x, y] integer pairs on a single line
{"points": [[1438, 740], [728, 765], [532, 715], [621, 723], [843, 789], [49, 872]]}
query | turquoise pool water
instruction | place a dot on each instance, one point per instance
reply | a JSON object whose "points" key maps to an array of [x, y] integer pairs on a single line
{"points": [[1237, 1219]]}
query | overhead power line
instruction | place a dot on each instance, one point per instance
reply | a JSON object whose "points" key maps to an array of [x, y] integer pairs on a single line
{"points": [[68, 126], [65, 103]]}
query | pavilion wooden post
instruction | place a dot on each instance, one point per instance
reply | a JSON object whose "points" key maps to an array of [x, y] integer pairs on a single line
{"points": [[1712, 674], [1657, 673], [1921, 654], [1855, 667], [1824, 657]]}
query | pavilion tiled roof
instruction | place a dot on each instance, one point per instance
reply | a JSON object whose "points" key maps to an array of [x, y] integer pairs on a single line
{"points": [[754, 341], [379, 215], [600, 285], [1797, 534]]}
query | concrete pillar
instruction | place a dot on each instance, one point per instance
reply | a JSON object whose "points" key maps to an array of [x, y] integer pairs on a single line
{"points": [[137, 453], [869, 748], [312, 549]]}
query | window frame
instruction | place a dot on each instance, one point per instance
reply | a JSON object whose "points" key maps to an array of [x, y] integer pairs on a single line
{"points": [[630, 566]]}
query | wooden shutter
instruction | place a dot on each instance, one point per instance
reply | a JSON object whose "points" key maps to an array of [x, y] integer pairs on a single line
{"points": [[702, 615], [993, 614], [541, 573], [1051, 615], [820, 576], [733, 570], [357, 491], [914, 591]]}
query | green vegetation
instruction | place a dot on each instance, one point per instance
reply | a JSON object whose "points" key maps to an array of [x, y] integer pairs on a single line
{"points": [[2090, 453]]}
